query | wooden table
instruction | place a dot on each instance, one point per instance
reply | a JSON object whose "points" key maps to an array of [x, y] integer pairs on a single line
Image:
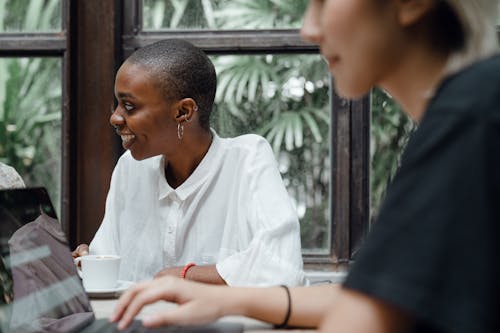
{"points": [[103, 308]]}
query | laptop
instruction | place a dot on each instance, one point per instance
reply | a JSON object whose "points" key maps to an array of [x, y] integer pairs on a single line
{"points": [[40, 289]]}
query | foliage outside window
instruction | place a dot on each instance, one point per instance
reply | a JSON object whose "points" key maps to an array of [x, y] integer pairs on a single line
{"points": [[222, 14], [30, 99], [30, 15], [285, 99], [30, 120], [390, 131]]}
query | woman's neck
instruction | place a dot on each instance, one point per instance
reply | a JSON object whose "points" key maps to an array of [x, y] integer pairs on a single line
{"points": [[178, 168], [415, 80]]}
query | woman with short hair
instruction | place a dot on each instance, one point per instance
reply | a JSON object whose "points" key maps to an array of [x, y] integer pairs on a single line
{"points": [[430, 262]]}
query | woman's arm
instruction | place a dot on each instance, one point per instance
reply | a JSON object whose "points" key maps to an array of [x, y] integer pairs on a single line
{"points": [[356, 312], [308, 304], [205, 274], [200, 303]]}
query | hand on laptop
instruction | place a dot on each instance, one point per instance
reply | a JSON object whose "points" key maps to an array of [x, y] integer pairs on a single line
{"points": [[198, 303], [81, 250]]}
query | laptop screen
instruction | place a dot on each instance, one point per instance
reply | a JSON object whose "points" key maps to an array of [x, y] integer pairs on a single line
{"points": [[40, 289]]}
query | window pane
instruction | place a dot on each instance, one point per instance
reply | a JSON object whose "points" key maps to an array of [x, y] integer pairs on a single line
{"points": [[30, 15], [284, 98], [390, 131], [30, 120], [222, 14]]}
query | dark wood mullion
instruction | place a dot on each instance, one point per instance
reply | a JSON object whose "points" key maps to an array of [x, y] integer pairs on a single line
{"points": [[32, 44], [340, 178], [132, 13], [229, 42], [94, 61], [132, 24], [66, 123], [359, 175]]}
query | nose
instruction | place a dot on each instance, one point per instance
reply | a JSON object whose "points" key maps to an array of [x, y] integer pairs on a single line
{"points": [[116, 119], [311, 29]]}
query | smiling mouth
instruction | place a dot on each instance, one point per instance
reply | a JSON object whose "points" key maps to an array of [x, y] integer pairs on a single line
{"points": [[127, 140]]}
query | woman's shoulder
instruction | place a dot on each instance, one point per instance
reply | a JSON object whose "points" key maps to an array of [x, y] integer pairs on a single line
{"points": [[250, 144], [477, 83], [247, 149], [475, 88], [245, 141]]}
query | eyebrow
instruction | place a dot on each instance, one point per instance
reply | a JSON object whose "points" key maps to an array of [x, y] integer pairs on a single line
{"points": [[125, 95]]}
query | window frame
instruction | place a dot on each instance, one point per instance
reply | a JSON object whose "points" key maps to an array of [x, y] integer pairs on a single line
{"points": [[349, 132], [94, 39], [49, 44], [86, 45]]}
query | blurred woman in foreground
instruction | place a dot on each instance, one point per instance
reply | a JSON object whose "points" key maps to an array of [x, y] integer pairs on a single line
{"points": [[429, 263]]}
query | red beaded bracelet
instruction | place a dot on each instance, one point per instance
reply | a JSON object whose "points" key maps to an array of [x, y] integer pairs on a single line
{"points": [[186, 268]]}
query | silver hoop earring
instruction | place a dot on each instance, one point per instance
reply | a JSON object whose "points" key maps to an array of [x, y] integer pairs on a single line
{"points": [[180, 131], [188, 120]]}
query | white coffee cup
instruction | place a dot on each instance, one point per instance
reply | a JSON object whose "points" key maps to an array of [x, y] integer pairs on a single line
{"points": [[99, 272]]}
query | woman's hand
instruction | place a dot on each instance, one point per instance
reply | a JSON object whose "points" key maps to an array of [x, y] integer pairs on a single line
{"points": [[80, 251], [198, 303]]}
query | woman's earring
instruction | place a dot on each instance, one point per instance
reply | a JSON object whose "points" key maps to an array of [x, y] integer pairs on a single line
{"points": [[180, 131]]}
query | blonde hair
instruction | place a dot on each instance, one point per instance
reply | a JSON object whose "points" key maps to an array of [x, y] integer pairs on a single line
{"points": [[478, 19]]}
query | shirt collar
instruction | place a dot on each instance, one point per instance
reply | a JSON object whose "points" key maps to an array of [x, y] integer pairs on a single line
{"points": [[196, 179]]}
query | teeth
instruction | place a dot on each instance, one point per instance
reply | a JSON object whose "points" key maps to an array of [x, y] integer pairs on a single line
{"points": [[127, 138]]}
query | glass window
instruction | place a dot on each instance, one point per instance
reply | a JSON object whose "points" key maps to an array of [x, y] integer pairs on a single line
{"points": [[30, 15], [390, 131], [284, 98], [30, 120], [222, 14]]}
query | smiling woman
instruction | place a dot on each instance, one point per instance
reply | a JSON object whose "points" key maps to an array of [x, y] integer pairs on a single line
{"points": [[182, 200], [438, 227]]}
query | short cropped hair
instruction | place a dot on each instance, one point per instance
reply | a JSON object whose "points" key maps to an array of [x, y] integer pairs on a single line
{"points": [[182, 71], [474, 26]]}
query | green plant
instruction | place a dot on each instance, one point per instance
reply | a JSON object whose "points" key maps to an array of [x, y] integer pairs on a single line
{"points": [[30, 100], [285, 99], [390, 131]]}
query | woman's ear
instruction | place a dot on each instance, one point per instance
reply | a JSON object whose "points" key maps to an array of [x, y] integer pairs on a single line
{"points": [[186, 109], [412, 11]]}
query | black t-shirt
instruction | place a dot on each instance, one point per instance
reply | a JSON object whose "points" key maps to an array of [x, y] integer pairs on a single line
{"points": [[434, 251]]}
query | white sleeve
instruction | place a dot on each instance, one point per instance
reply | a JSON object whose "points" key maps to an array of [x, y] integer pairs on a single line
{"points": [[273, 255], [107, 238]]}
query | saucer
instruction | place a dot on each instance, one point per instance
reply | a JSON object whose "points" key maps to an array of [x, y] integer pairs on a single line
{"points": [[110, 293]]}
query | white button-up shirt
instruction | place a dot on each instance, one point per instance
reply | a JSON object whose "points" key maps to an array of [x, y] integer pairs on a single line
{"points": [[233, 211]]}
